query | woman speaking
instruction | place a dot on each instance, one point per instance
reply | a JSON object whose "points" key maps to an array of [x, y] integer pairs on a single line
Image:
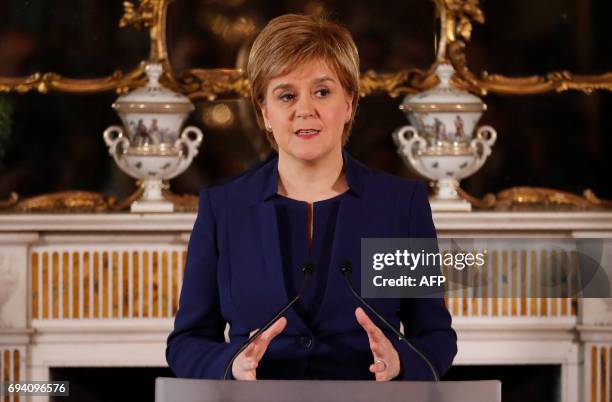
{"points": [[310, 205]]}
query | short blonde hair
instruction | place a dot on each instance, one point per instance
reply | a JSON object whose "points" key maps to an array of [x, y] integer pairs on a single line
{"points": [[292, 39]]}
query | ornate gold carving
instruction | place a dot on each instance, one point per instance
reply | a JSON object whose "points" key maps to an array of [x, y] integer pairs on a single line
{"points": [[590, 196], [125, 204], [151, 15], [10, 202], [182, 202], [47, 82], [487, 202], [557, 81], [537, 198], [395, 84], [456, 17], [208, 84], [455, 30], [82, 201], [140, 17], [67, 201], [463, 77]]}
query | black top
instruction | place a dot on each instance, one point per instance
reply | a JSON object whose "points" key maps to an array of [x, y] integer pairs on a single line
{"points": [[292, 218]]}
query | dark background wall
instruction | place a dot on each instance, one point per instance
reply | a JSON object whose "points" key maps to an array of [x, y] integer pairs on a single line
{"points": [[54, 142]]}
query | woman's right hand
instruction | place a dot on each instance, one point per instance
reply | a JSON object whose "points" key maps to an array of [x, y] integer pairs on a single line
{"points": [[246, 362]]}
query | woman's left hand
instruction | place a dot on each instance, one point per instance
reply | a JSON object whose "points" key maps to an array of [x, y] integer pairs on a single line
{"points": [[386, 364]]}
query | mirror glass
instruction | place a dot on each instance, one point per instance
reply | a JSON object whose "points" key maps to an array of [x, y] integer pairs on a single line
{"points": [[218, 33], [525, 37], [75, 38]]}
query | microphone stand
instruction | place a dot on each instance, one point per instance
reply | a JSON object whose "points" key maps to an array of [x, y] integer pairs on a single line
{"points": [[346, 268], [307, 269]]}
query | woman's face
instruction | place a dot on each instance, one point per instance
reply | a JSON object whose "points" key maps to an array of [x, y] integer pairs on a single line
{"points": [[307, 110]]}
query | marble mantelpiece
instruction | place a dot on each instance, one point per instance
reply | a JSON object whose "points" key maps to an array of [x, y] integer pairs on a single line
{"points": [[101, 290]]}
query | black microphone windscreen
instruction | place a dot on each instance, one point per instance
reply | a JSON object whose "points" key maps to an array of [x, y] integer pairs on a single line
{"points": [[346, 266], [308, 267]]}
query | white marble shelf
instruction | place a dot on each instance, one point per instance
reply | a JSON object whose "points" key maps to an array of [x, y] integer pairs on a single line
{"points": [[565, 222]]}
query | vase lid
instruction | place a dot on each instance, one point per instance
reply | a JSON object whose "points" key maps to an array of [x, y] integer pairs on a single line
{"points": [[153, 97], [443, 97]]}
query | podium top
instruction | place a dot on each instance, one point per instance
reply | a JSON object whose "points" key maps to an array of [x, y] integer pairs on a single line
{"points": [[188, 390]]}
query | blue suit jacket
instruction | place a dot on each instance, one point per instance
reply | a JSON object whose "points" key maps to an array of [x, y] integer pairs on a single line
{"points": [[234, 275]]}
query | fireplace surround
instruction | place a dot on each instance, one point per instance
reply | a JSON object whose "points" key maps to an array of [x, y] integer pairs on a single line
{"points": [[100, 291]]}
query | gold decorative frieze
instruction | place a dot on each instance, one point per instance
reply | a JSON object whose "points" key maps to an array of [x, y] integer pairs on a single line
{"points": [[116, 282], [511, 275], [600, 357], [11, 370], [537, 198], [106, 282]]}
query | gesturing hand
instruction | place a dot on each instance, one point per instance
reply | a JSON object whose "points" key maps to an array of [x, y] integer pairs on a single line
{"points": [[246, 362], [386, 364]]}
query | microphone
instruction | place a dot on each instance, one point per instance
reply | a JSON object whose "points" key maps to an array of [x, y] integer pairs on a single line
{"points": [[307, 269], [347, 268]]}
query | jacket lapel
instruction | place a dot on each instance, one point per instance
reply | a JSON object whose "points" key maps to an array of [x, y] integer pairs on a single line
{"points": [[271, 291]]}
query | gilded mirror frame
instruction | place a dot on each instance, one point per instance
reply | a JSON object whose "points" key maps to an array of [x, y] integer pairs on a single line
{"points": [[456, 22]]}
